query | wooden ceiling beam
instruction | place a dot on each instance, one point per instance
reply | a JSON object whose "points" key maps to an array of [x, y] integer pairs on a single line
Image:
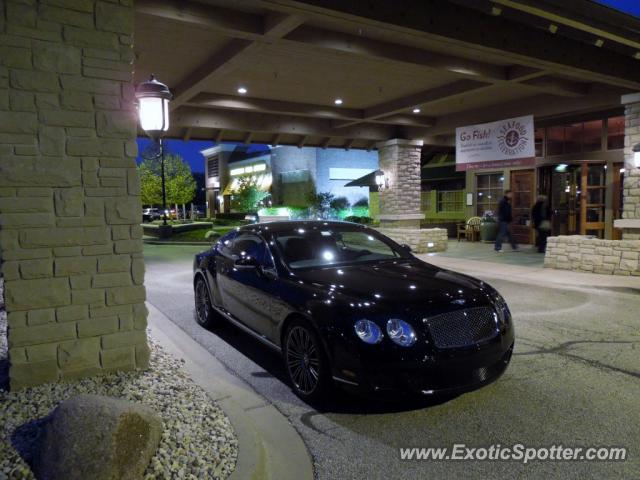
{"points": [[228, 57], [248, 104], [187, 134], [517, 43], [537, 105], [325, 142], [229, 120], [422, 99], [302, 141]]}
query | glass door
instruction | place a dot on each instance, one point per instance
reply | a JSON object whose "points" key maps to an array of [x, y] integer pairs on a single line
{"points": [[592, 205], [523, 189], [564, 198]]}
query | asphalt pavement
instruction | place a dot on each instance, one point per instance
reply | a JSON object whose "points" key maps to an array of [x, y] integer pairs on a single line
{"points": [[574, 380]]}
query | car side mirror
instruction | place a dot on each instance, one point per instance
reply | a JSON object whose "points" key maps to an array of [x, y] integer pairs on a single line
{"points": [[406, 247], [246, 263]]}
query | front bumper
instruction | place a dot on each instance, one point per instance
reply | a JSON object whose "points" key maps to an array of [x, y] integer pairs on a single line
{"points": [[427, 372]]}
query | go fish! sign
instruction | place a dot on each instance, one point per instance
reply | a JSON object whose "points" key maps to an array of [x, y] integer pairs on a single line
{"points": [[506, 143]]}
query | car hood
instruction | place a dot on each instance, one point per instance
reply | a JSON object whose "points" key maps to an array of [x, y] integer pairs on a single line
{"points": [[402, 283]]}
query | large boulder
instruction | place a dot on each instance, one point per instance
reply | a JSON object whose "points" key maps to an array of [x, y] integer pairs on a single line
{"points": [[99, 438]]}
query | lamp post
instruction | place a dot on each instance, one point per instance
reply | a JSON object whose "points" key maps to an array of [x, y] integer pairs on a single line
{"points": [[153, 113]]}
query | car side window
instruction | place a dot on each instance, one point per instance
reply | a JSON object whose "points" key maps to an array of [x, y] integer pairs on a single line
{"points": [[250, 245]]}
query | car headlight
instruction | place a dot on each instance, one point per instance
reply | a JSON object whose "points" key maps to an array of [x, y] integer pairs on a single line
{"points": [[368, 331], [401, 332]]}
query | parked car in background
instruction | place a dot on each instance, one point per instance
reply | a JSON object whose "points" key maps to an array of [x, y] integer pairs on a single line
{"points": [[150, 214], [343, 304]]}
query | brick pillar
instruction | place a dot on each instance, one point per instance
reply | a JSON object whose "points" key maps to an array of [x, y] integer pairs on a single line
{"points": [[630, 222], [400, 202], [70, 239]]}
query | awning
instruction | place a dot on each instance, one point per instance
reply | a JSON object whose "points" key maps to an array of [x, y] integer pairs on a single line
{"points": [[369, 180]]}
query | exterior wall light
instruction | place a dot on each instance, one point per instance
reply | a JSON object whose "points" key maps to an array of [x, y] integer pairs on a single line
{"points": [[636, 155], [382, 181], [153, 114]]}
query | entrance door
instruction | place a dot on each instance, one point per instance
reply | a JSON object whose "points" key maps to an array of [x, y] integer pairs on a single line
{"points": [[523, 189], [592, 208]]}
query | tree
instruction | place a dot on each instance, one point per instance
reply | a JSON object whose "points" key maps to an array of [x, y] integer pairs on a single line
{"points": [[247, 197], [150, 182], [179, 182]]}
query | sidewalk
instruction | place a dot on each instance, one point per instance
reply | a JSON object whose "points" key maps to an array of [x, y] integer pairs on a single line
{"points": [[268, 446], [524, 266]]}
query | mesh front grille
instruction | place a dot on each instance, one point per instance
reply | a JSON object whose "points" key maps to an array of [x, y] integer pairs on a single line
{"points": [[463, 327]]}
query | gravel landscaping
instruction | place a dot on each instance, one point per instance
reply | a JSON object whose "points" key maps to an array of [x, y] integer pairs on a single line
{"points": [[198, 441]]}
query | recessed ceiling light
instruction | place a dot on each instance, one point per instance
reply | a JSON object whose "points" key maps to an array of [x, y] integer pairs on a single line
{"points": [[416, 110], [242, 90], [338, 101]]}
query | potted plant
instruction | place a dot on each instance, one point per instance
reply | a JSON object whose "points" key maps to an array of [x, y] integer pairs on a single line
{"points": [[488, 227]]}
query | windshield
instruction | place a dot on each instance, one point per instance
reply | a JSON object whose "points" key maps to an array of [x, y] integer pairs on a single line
{"points": [[323, 246]]}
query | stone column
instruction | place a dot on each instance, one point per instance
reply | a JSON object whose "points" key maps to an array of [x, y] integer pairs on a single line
{"points": [[400, 201], [630, 222], [400, 211], [70, 239]]}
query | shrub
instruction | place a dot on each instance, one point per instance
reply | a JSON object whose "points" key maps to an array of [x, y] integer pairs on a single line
{"points": [[363, 202], [362, 220], [339, 203]]}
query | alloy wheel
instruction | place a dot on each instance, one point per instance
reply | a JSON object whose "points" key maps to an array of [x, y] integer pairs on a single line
{"points": [[303, 360], [203, 305]]}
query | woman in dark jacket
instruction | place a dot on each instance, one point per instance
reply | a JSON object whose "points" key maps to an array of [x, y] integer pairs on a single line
{"points": [[541, 215]]}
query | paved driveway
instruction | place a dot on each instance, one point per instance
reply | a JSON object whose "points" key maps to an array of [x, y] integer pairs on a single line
{"points": [[574, 380]]}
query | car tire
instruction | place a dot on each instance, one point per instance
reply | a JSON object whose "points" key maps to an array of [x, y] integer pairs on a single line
{"points": [[204, 313], [306, 363]]}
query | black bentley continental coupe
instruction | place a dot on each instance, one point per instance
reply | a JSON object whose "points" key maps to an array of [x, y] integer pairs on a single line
{"points": [[346, 305]]}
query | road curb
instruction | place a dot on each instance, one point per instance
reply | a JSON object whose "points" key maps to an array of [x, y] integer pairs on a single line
{"points": [[269, 447]]}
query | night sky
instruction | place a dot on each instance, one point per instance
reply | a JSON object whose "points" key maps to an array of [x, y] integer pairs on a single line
{"points": [[190, 150]]}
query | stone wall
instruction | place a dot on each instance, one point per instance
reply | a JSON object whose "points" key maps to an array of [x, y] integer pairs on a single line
{"points": [[631, 192], [399, 202], [70, 239], [611, 257], [420, 240]]}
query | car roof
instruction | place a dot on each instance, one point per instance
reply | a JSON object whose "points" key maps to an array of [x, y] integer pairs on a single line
{"points": [[284, 225]]}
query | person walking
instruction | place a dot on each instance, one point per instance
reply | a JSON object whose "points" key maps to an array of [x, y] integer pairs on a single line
{"points": [[505, 217], [541, 216]]}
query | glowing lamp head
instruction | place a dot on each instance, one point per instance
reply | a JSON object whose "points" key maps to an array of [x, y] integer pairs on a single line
{"points": [[153, 106], [381, 180]]}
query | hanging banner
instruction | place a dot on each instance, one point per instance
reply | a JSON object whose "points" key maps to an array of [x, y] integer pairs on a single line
{"points": [[506, 143]]}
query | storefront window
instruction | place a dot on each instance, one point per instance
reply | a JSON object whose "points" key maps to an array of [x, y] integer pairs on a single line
{"points": [[539, 142], [555, 140], [575, 138], [489, 192], [615, 133], [592, 136]]}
